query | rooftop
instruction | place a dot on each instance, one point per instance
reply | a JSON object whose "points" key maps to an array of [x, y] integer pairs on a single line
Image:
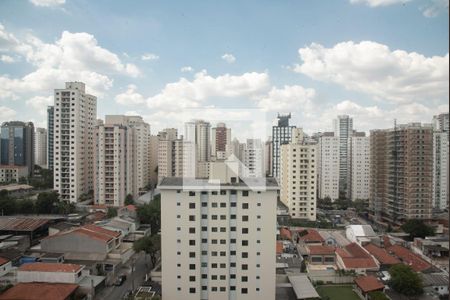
{"points": [[321, 250], [3, 261], [355, 257], [15, 187], [50, 267], [303, 288], [362, 230], [369, 283], [21, 223], [381, 255], [39, 291], [409, 258], [285, 233], [91, 231], [439, 279], [310, 236], [205, 184]]}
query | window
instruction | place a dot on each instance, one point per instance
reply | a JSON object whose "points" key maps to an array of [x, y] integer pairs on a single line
{"points": [[243, 291], [192, 290], [233, 204], [191, 194], [191, 278], [192, 230], [244, 278], [233, 228], [191, 254], [204, 204], [244, 193], [233, 192], [244, 230], [223, 205], [191, 218], [214, 217], [192, 205], [244, 243], [244, 267], [244, 205], [223, 192], [191, 242], [245, 218], [192, 267], [214, 193], [214, 204], [222, 289], [244, 254]]}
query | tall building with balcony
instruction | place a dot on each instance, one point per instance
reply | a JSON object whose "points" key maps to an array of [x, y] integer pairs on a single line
{"points": [[343, 128], [40, 147], [298, 177], [170, 154], [328, 165], [197, 148], [221, 137], [281, 134], [17, 145], [50, 136], [401, 181], [359, 153], [218, 238], [75, 114], [254, 158], [440, 161]]}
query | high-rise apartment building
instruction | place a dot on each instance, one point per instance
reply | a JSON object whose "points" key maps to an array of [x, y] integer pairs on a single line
{"points": [[401, 181], [343, 128], [268, 156], [17, 145], [50, 136], [221, 137], [153, 160], [440, 161], [40, 147], [170, 154], [197, 148], [73, 136], [359, 153], [281, 134], [328, 165], [254, 158], [298, 177], [218, 240], [115, 163]]}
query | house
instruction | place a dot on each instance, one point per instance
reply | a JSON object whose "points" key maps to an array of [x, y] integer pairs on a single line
{"points": [[33, 227], [322, 255], [361, 234], [354, 258], [40, 291], [328, 238], [5, 266], [382, 256], [50, 272], [367, 284], [407, 257], [128, 211], [436, 283], [285, 233], [309, 237]]}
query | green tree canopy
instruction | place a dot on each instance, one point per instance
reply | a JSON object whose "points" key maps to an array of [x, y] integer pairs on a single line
{"points": [[417, 228], [405, 281], [111, 212], [151, 214], [129, 199], [8, 205], [151, 245], [25, 206], [46, 202]]}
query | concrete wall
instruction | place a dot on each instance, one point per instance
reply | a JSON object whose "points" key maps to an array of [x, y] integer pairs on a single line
{"points": [[73, 243]]}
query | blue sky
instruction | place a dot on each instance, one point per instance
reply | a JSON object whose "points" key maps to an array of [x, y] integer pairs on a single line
{"points": [[373, 59]]}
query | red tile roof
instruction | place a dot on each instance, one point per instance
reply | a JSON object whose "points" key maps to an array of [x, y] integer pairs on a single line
{"points": [[369, 283], [102, 230], [91, 231], [310, 236], [321, 250], [50, 267], [131, 207], [39, 291], [285, 233], [355, 257], [409, 258], [3, 261], [279, 247], [21, 223], [381, 255]]}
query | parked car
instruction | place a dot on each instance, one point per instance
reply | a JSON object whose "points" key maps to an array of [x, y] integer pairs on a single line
{"points": [[120, 280]]}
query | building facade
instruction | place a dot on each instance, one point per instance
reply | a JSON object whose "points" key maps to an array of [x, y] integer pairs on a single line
{"points": [[328, 166], [221, 137], [218, 241], [40, 147], [50, 136], [197, 148], [170, 154], [17, 145], [401, 181], [298, 179], [254, 158], [343, 128], [281, 134], [75, 113], [359, 152]]}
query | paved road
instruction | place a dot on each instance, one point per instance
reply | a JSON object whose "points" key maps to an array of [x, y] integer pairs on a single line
{"points": [[136, 277]]}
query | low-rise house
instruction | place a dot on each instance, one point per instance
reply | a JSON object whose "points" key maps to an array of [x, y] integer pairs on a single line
{"points": [[361, 234], [435, 283], [40, 291], [367, 284], [34, 228], [5, 266], [50, 272], [353, 258], [321, 255], [128, 211], [328, 238], [382, 256], [285, 233], [407, 257], [309, 237]]}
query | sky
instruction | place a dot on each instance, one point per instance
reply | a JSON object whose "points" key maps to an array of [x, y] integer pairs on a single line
{"points": [[375, 60]]}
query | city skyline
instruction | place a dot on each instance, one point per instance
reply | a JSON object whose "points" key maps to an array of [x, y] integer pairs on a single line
{"points": [[143, 62]]}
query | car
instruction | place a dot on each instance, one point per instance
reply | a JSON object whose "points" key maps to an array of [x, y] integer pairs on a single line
{"points": [[120, 280]]}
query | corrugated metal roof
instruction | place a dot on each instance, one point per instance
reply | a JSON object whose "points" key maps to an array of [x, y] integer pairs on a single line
{"points": [[21, 223]]}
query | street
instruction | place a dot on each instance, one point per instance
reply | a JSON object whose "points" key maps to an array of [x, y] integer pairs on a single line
{"points": [[117, 292]]}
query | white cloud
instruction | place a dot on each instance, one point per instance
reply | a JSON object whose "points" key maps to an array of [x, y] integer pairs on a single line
{"points": [[130, 96], [48, 3], [7, 59], [376, 3], [435, 7], [7, 113], [185, 93], [229, 58], [374, 69], [39, 104], [149, 56], [288, 98], [75, 56], [187, 69]]}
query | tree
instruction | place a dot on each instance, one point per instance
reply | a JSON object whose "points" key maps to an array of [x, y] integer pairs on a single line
{"points": [[377, 295], [325, 203], [151, 214], [151, 245], [8, 205], [65, 207], [360, 205], [405, 281], [111, 212], [25, 206], [417, 228], [46, 202], [129, 200]]}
